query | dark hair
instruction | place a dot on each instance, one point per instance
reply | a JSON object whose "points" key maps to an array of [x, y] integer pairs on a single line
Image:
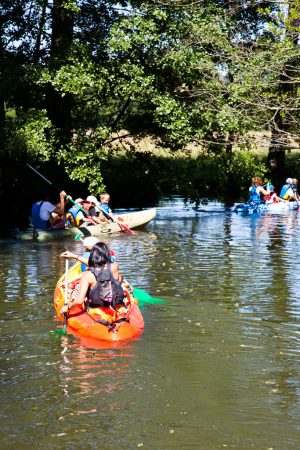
{"points": [[257, 180], [100, 255]]}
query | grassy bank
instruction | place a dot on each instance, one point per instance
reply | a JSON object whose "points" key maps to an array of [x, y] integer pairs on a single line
{"points": [[149, 169]]}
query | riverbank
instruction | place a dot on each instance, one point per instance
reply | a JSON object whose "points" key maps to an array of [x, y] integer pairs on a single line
{"points": [[137, 178]]}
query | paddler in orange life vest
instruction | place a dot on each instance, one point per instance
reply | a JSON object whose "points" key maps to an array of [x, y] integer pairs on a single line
{"points": [[257, 191]]}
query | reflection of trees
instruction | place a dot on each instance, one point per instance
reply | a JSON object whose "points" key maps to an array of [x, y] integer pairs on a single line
{"points": [[29, 273], [277, 229], [275, 234]]}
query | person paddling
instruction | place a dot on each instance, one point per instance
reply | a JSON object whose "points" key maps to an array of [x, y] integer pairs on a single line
{"points": [[104, 206], [44, 214], [295, 189], [75, 216], [88, 244], [99, 285], [257, 190], [287, 192], [93, 211], [272, 197]]}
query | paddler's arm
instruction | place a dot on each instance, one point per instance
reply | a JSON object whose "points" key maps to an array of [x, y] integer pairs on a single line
{"points": [[71, 255], [60, 209], [115, 271], [95, 219], [85, 282], [263, 191]]}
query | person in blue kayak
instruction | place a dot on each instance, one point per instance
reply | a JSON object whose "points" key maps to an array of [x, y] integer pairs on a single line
{"points": [[287, 192], [295, 189], [257, 191], [45, 215], [272, 197]]}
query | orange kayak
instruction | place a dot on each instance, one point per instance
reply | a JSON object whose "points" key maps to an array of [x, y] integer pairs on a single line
{"points": [[104, 324]]}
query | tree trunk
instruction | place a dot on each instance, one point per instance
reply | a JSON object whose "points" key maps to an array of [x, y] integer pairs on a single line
{"points": [[42, 21], [287, 89], [62, 33], [277, 148], [58, 106], [2, 98]]}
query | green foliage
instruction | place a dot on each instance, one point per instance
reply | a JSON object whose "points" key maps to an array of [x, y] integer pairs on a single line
{"points": [[70, 5], [82, 161], [243, 166], [30, 133], [174, 119], [33, 131], [206, 72]]}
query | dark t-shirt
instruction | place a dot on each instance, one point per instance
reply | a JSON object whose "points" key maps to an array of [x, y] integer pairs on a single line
{"points": [[93, 212]]}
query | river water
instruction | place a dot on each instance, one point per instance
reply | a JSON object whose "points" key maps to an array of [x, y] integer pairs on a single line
{"points": [[218, 365]]}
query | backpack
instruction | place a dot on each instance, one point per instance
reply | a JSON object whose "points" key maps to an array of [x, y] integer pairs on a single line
{"points": [[107, 292]]}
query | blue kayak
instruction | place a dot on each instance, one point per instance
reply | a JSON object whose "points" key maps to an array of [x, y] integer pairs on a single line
{"points": [[274, 208]]}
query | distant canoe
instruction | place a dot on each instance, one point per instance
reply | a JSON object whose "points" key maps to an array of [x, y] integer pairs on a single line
{"points": [[273, 208], [134, 219], [131, 220]]}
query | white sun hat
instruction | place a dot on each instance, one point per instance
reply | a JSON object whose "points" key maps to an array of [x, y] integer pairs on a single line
{"points": [[93, 199], [90, 241]]}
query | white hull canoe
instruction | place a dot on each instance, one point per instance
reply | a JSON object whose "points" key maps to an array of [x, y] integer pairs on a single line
{"points": [[273, 208], [131, 220]]}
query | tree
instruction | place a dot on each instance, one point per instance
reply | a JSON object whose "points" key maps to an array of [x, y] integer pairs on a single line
{"points": [[286, 115], [206, 72]]}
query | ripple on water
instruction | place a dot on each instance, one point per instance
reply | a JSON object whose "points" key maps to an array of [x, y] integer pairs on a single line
{"points": [[218, 364]]}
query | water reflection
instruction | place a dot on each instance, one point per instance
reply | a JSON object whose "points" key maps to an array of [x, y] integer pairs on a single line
{"points": [[93, 366]]}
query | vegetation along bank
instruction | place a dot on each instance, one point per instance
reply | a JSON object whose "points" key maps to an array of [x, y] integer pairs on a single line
{"points": [[202, 79]]}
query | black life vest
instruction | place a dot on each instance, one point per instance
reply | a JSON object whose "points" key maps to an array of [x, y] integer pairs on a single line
{"points": [[107, 292]]}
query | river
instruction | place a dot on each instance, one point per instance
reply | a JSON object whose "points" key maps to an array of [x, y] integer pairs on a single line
{"points": [[218, 365]]}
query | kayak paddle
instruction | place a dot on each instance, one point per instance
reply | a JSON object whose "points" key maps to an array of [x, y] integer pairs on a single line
{"points": [[144, 298], [121, 225], [62, 331]]}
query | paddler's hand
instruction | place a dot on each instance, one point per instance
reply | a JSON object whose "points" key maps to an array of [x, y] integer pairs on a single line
{"points": [[68, 198], [64, 309], [68, 255]]}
